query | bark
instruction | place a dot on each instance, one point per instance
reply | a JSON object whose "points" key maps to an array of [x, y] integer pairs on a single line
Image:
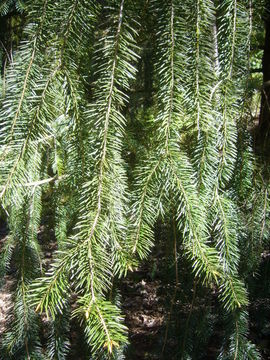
{"points": [[264, 124]]}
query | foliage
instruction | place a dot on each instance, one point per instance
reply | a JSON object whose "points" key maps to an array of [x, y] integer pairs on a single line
{"points": [[74, 129]]}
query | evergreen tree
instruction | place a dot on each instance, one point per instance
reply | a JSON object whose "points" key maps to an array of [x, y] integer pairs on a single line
{"points": [[118, 114]]}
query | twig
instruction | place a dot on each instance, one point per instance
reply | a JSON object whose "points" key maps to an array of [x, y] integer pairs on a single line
{"points": [[188, 319], [175, 289], [45, 181]]}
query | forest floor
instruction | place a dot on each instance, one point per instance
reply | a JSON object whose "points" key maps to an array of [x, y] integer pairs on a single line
{"points": [[5, 288], [147, 311], [149, 306], [5, 303]]}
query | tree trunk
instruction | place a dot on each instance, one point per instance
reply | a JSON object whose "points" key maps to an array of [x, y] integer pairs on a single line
{"points": [[265, 103]]}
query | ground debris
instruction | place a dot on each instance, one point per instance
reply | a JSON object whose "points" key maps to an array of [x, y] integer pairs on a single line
{"points": [[145, 316], [5, 302]]}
